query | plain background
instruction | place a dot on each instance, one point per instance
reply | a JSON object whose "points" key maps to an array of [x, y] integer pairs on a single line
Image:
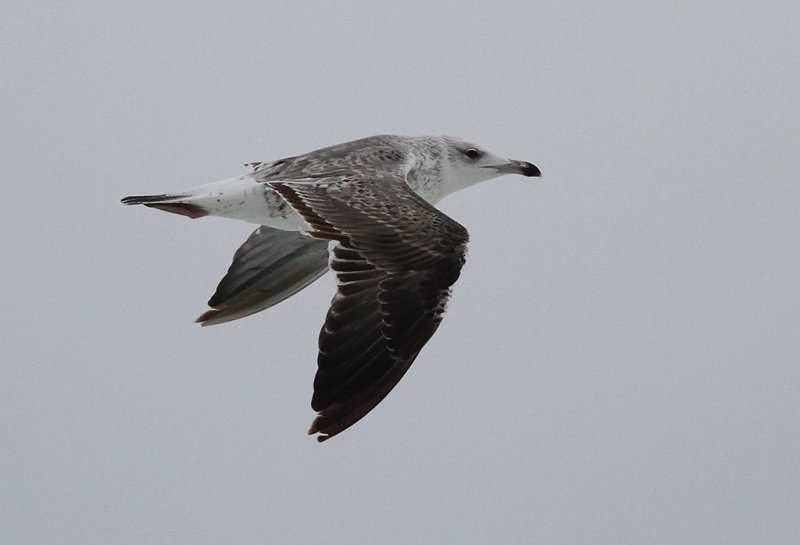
{"points": [[619, 363]]}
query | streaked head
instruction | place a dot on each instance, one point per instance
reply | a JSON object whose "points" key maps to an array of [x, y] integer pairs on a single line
{"points": [[468, 164]]}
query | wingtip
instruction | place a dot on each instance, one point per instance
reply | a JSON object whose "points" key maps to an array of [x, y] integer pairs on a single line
{"points": [[210, 317], [319, 425], [203, 318]]}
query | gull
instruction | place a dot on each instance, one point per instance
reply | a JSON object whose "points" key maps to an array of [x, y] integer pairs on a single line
{"points": [[364, 209]]}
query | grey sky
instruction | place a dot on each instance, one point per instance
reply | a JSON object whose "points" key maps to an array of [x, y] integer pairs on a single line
{"points": [[619, 362]]}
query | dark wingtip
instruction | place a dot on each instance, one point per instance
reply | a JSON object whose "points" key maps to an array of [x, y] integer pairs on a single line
{"points": [[207, 315]]}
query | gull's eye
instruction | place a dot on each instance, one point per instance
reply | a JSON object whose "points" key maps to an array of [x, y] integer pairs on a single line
{"points": [[472, 153]]}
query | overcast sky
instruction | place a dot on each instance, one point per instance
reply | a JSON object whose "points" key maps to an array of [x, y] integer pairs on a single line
{"points": [[619, 362]]}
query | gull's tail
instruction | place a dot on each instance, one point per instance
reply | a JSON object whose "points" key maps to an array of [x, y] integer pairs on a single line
{"points": [[168, 203]]}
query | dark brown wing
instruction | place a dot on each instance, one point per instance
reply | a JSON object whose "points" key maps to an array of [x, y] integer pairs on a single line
{"points": [[395, 259]]}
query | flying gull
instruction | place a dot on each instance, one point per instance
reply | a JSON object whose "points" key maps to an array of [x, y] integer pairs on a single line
{"points": [[364, 209]]}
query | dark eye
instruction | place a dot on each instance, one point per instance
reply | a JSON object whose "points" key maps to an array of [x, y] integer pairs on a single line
{"points": [[472, 153]]}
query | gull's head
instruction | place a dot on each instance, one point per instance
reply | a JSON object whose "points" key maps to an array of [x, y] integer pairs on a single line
{"points": [[465, 164]]}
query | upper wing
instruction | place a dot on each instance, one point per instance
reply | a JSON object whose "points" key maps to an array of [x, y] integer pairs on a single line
{"points": [[395, 258], [269, 267]]}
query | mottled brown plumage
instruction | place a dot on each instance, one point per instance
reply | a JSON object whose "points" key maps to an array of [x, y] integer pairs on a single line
{"points": [[395, 256]]}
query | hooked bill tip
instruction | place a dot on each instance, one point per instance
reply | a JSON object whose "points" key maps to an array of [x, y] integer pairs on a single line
{"points": [[529, 169]]}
